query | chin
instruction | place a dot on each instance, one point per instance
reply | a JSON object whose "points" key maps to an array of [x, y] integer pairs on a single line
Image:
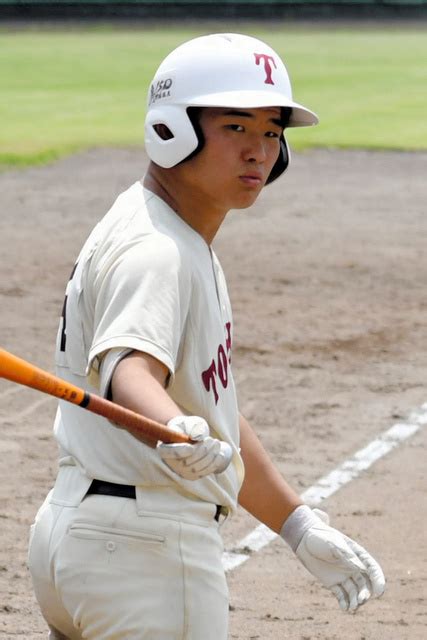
{"points": [[246, 200]]}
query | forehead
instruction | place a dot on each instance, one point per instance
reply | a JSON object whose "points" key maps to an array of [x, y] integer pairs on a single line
{"points": [[259, 112]]}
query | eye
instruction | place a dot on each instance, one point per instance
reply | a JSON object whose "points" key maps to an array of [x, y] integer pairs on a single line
{"points": [[235, 127], [272, 134]]}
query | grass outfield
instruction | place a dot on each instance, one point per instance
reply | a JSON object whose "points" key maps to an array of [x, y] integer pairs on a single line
{"points": [[66, 90]]}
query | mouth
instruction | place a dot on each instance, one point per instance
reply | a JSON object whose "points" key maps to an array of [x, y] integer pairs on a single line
{"points": [[252, 179]]}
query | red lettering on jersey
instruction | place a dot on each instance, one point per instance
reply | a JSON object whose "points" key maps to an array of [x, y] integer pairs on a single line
{"points": [[209, 380], [267, 66], [222, 366], [228, 340], [219, 369]]}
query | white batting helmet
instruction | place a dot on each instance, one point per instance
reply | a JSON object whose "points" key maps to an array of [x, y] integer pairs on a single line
{"points": [[218, 70]]}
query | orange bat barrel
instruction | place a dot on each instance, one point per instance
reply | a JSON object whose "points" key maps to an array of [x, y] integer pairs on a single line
{"points": [[18, 370]]}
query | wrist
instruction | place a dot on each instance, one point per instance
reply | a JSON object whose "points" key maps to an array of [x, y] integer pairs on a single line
{"points": [[296, 524]]}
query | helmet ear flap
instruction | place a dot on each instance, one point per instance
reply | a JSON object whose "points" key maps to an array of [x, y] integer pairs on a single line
{"points": [[282, 161], [180, 141]]}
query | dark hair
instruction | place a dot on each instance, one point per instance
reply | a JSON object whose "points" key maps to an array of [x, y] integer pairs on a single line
{"points": [[285, 116], [194, 115]]}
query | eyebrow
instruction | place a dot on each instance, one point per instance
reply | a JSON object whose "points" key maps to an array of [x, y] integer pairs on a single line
{"points": [[245, 114]]}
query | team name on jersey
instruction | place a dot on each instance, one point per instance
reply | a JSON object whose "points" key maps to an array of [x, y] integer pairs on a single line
{"points": [[219, 368]]}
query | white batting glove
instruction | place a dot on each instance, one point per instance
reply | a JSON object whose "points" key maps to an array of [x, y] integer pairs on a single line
{"points": [[194, 461], [341, 565]]}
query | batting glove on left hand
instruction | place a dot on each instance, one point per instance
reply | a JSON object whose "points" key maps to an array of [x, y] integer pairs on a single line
{"points": [[193, 461], [341, 565]]}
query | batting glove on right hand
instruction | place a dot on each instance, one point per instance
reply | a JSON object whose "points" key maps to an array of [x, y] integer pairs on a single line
{"points": [[193, 461], [341, 565]]}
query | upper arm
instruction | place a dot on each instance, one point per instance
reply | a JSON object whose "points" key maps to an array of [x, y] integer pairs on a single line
{"points": [[141, 364]]}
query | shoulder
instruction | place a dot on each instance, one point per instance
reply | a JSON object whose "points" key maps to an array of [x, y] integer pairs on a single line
{"points": [[155, 251]]}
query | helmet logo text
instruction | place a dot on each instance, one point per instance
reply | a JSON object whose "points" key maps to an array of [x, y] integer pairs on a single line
{"points": [[267, 66], [160, 89]]}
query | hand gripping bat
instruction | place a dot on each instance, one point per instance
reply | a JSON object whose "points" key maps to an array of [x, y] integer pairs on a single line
{"points": [[23, 372]]}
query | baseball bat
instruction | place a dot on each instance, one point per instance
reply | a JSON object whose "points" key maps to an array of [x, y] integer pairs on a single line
{"points": [[23, 372]]}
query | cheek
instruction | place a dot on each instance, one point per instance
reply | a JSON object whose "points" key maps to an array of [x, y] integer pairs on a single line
{"points": [[219, 163], [219, 146]]}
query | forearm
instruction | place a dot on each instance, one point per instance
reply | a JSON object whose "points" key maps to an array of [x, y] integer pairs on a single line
{"points": [[264, 493], [138, 383]]}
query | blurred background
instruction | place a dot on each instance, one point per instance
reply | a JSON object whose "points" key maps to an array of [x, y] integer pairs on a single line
{"points": [[208, 9]]}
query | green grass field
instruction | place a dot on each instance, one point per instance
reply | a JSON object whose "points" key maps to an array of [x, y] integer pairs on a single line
{"points": [[66, 90]]}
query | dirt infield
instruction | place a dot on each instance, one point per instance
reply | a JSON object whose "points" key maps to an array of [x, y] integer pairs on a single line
{"points": [[327, 276]]}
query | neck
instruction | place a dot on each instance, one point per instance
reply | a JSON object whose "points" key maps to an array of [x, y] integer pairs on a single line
{"points": [[186, 200]]}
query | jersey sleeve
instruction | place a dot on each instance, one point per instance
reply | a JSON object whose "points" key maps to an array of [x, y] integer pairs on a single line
{"points": [[141, 301]]}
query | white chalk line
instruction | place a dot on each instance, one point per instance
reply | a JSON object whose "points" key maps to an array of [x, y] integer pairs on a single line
{"points": [[326, 486]]}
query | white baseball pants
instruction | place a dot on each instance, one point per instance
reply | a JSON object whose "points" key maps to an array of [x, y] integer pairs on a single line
{"points": [[115, 568]]}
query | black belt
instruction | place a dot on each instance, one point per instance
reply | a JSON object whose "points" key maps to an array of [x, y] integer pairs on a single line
{"points": [[102, 488]]}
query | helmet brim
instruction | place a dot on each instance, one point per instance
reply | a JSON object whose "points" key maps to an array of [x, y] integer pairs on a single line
{"points": [[300, 116]]}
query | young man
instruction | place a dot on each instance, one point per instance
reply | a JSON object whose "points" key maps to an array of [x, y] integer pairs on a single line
{"points": [[127, 545]]}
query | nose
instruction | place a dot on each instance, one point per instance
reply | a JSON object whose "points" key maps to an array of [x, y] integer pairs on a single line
{"points": [[255, 150]]}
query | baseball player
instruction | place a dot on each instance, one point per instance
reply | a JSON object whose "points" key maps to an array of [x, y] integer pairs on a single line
{"points": [[127, 544]]}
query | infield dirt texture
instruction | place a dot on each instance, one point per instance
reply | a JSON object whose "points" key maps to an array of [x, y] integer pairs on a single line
{"points": [[327, 276]]}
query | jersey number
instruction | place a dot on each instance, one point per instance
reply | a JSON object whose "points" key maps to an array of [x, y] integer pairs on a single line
{"points": [[64, 315]]}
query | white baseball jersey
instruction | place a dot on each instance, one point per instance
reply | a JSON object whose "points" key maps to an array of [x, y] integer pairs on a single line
{"points": [[145, 280]]}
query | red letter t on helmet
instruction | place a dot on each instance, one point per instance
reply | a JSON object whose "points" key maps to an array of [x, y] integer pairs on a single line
{"points": [[267, 66]]}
